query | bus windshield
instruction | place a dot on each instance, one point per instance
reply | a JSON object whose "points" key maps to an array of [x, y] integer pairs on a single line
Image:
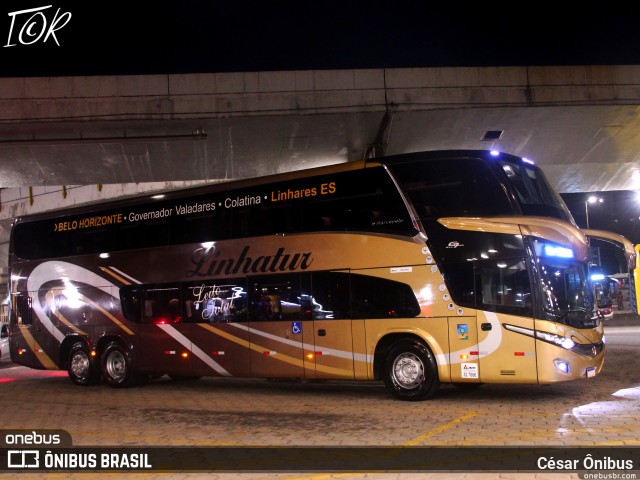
{"points": [[535, 195], [476, 186], [563, 284]]}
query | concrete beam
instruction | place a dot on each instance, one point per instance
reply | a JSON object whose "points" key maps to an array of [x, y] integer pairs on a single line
{"points": [[309, 92]]}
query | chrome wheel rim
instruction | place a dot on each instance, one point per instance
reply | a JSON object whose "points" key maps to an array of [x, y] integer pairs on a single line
{"points": [[80, 364], [408, 371], [116, 365]]}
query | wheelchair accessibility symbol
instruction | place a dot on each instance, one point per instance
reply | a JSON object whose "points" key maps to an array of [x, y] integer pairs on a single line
{"points": [[296, 327]]}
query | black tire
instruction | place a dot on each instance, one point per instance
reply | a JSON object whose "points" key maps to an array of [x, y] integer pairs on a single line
{"points": [[410, 371], [83, 369], [117, 367]]}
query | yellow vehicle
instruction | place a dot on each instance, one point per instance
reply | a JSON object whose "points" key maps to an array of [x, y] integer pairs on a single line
{"points": [[635, 278], [456, 267], [628, 258]]}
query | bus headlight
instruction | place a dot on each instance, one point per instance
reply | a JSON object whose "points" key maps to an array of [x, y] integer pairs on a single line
{"points": [[563, 342], [585, 349]]}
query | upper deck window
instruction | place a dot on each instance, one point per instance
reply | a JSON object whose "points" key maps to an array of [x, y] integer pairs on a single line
{"points": [[453, 187], [533, 192], [365, 200]]}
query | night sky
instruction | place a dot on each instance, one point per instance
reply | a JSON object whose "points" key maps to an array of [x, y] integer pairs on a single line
{"points": [[619, 212], [106, 38]]}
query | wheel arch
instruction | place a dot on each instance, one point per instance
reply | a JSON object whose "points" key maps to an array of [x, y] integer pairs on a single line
{"points": [[385, 343], [107, 339], [65, 347]]}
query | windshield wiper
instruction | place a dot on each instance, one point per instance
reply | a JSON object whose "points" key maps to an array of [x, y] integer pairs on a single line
{"points": [[564, 315]]}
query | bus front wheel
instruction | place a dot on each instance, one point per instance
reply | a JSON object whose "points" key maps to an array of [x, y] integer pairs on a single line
{"points": [[116, 366], [410, 371], [83, 369]]}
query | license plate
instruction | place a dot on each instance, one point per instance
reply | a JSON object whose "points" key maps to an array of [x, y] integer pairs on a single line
{"points": [[591, 372]]}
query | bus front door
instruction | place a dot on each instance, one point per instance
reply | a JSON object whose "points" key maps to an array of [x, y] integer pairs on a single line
{"points": [[329, 352]]}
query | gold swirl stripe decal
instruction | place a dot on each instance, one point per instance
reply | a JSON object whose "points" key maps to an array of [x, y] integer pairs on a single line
{"points": [[284, 358], [64, 320], [107, 314], [117, 277], [197, 351], [240, 341]]}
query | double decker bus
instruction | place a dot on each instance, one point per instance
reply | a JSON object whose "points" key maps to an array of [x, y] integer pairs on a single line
{"points": [[461, 267]]}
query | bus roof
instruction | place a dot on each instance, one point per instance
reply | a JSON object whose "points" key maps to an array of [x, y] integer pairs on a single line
{"points": [[444, 154], [256, 181]]}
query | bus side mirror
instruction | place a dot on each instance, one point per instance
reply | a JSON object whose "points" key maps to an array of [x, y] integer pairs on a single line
{"points": [[5, 332]]}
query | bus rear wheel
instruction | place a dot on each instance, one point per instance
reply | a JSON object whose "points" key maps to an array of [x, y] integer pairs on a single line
{"points": [[83, 369], [410, 371], [116, 367]]}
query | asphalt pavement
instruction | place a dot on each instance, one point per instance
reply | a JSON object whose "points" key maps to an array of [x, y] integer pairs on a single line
{"points": [[623, 318]]}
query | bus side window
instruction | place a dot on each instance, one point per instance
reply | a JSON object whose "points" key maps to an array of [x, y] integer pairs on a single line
{"points": [[162, 305], [330, 295], [459, 278], [275, 298], [131, 308], [215, 301], [373, 297], [505, 286], [23, 309], [174, 310], [189, 311]]}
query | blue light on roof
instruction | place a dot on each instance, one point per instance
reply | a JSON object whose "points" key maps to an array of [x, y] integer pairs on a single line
{"points": [[528, 161], [597, 276], [495, 153]]}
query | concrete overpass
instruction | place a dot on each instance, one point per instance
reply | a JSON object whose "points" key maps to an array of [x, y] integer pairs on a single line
{"points": [[71, 140]]}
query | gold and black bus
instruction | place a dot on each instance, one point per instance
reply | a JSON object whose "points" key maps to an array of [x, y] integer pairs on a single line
{"points": [[460, 267]]}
